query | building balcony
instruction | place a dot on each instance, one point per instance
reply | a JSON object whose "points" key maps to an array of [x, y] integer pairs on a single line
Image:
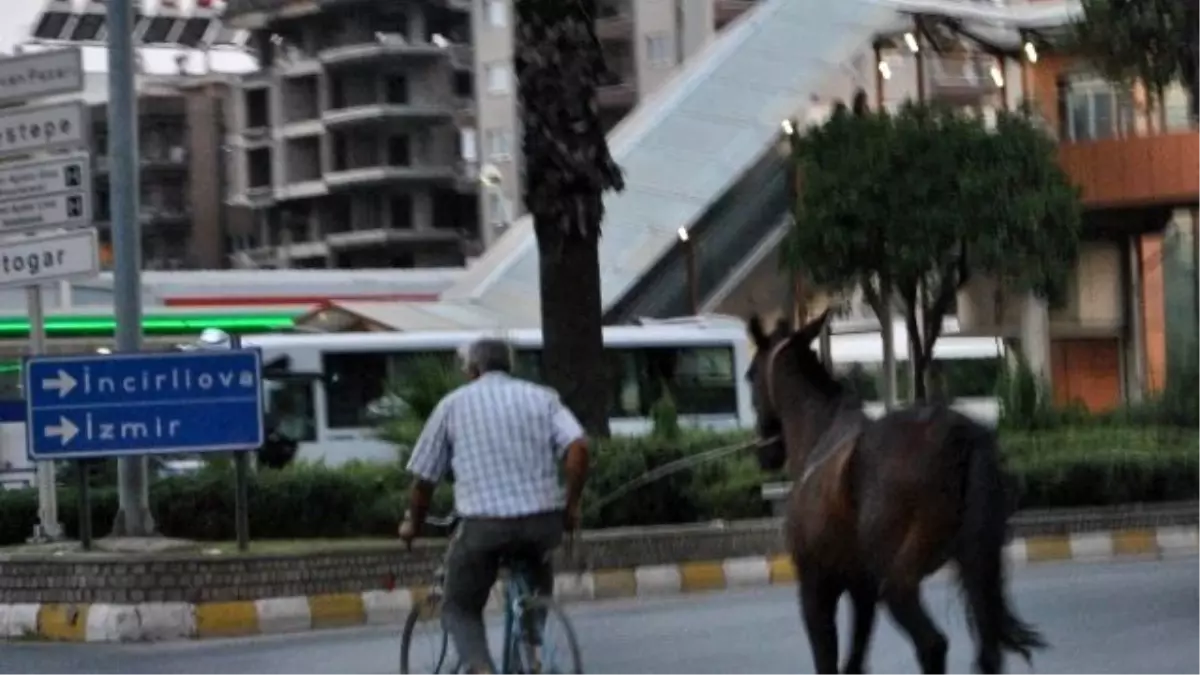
{"points": [[963, 79], [301, 188], [619, 94], [367, 238], [614, 20], [369, 176], [175, 160], [389, 113], [380, 47], [725, 11], [1135, 172]]}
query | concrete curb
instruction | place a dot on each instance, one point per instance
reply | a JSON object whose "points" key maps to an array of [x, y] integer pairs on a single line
{"points": [[154, 622]]}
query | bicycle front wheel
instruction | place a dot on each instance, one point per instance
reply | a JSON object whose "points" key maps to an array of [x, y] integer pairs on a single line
{"points": [[552, 649], [425, 647]]}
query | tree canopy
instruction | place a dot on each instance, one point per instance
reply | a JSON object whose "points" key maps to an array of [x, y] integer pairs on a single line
{"points": [[1151, 41], [920, 200]]}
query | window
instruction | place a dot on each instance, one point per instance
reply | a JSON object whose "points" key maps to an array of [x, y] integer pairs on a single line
{"points": [[1094, 110], [466, 144], [495, 208], [699, 379], [290, 409], [658, 50], [499, 144], [497, 79], [497, 13], [1176, 106], [948, 378], [352, 382]]}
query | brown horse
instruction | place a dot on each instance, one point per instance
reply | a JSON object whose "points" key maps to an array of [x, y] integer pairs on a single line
{"points": [[877, 506]]}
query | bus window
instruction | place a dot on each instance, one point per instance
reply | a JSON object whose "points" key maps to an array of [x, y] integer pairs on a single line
{"points": [[352, 382], [969, 378], [291, 410], [703, 381], [624, 384], [861, 379]]}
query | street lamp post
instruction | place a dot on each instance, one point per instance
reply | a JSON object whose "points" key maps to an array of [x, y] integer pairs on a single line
{"points": [[693, 283]]}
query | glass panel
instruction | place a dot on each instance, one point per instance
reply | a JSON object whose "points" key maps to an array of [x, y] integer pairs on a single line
{"points": [[971, 378], [352, 382], [624, 384], [704, 382], [291, 410], [863, 380], [1177, 108], [1079, 127], [1104, 122]]}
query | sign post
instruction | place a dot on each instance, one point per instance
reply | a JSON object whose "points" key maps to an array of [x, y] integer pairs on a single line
{"points": [[121, 405], [134, 405], [50, 193]]}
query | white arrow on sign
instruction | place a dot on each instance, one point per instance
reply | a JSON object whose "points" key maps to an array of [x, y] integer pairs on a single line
{"points": [[63, 384], [65, 429]]}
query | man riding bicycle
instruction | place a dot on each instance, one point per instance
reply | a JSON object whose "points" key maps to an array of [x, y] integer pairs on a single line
{"points": [[503, 438]]}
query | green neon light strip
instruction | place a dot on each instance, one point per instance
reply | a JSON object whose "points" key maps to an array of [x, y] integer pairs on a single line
{"points": [[178, 324]]}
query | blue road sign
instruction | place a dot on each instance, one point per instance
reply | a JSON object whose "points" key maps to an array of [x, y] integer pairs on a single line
{"points": [[138, 404]]}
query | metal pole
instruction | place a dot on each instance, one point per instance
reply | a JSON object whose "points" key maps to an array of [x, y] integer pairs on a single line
{"points": [[48, 524], [241, 477], [133, 516], [84, 471]]}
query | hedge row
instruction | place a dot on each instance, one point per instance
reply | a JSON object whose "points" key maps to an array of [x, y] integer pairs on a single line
{"points": [[1066, 467]]}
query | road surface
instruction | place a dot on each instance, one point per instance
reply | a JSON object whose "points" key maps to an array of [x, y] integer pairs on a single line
{"points": [[1100, 618]]}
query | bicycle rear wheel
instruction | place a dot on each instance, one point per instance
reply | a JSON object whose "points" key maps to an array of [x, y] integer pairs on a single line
{"points": [[425, 647], [559, 648]]}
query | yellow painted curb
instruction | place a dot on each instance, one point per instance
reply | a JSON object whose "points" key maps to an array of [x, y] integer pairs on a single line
{"points": [[702, 576], [781, 569], [1042, 549], [338, 609], [1135, 542], [62, 622], [226, 619], [614, 583]]}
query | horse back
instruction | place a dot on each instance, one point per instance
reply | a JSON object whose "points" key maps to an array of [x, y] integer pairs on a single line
{"points": [[909, 489]]}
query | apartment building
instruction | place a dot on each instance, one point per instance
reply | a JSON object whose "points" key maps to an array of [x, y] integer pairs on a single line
{"points": [[185, 61], [644, 43], [352, 143]]}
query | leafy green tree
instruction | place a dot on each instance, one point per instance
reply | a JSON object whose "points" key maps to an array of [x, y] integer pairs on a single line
{"points": [[559, 66], [1151, 41], [921, 200]]}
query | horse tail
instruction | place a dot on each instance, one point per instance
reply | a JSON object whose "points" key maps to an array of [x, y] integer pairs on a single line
{"points": [[980, 552]]}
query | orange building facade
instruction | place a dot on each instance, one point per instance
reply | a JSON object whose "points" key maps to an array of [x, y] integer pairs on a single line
{"points": [[1136, 162]]}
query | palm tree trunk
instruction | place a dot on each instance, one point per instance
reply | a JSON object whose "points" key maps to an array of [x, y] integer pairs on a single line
{"points": [[572, 339], [567, 169]]}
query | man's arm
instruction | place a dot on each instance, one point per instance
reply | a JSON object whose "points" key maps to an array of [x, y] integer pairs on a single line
{"points": [[572, 447], [429, 461]]}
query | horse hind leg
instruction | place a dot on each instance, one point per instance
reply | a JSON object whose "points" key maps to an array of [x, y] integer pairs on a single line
{"points": [[910, 614], [818, 604], [865, 596]]}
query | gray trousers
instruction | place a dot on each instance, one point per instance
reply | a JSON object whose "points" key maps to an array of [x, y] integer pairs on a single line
{"points": [[473, 563]]}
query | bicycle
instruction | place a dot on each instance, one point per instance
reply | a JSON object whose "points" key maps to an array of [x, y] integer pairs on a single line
{"points": [[520, 654]]}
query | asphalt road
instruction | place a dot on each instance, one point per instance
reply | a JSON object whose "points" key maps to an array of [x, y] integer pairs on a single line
{"points": [[1099, 617]]}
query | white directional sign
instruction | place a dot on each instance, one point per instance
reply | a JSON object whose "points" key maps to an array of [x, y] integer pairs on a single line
{"points": [[45, 177], [65, 209], [25, 130], [65, 255], [41, 74]]}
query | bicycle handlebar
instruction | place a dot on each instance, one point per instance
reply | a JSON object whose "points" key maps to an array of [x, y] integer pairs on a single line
{"points": [[447, 521]]}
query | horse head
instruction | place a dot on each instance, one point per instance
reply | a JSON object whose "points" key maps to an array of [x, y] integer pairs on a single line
{"points": [[785, 377]]}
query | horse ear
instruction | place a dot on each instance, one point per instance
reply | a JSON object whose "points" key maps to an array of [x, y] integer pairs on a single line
{"points": [[812, 330], [757, 333]]}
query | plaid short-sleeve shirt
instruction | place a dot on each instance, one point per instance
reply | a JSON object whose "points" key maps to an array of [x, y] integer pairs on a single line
{"points": [[504, 438]]}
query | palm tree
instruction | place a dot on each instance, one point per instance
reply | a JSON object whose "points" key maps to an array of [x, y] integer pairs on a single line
{"points": [[568, 168]]}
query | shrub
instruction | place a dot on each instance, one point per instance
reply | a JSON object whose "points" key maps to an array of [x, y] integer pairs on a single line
{"points": [[1067, 466]]}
